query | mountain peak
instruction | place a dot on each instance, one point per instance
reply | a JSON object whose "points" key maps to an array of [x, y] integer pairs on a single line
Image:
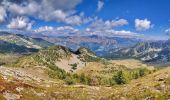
{"points": [[84, 50]]}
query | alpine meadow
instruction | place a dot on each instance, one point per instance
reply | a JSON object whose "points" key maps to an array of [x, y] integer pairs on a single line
{"points": [[84, 50]]}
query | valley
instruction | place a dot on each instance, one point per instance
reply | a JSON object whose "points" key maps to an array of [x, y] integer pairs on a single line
{"points": [[36, 69], [84, 50]]}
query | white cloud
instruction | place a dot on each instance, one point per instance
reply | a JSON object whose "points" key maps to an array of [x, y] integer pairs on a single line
{"points": [[112, 32], [57, 15], [44, 29], [77, 19], [142, 25], [16, 9], [100, 5], [106, 28], [49, 10], [99, 24], [39, 6], [63, 30], [20, 23], [122, 33], [2, 14], [167, 31], [97, 27], [68, 30]]}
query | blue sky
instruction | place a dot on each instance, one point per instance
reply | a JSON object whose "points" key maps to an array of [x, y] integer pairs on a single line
{"points": [[148, 18]]}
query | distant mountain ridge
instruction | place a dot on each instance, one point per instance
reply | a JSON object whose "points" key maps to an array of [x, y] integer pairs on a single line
{"points": [[149, 51], [20, 44], [102, 46], [23, 40], [98, 44], [6, 47]]}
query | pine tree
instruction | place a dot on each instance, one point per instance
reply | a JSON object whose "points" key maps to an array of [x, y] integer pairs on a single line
{"points": [[121, 77]]}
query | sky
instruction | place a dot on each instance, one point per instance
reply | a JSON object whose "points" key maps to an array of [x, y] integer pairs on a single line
{"points": [[125, 18]]}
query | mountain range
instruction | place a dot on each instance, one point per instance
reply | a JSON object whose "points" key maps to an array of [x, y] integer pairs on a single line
{"points": [[17, 43], [147, 51], [98, 44], [33, 68], [151, 51]]}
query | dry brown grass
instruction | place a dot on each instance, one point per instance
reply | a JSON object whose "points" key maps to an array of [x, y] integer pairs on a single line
{"points": [[132, 63], [8, 58]]}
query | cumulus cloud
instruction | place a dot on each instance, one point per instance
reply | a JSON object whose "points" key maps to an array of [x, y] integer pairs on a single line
{"points": [[2, 14], [49, 10], [77, 19], [97, 27], [167, 31], [44, 29], [63, 30], [112, 32], [32, 6], [59, 11], [99, 24], [68, 30], [142, 25], [122, 33], [100, 5], [20, 23], [20, 9]]}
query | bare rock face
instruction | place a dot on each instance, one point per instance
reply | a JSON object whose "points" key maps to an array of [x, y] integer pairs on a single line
{"points": [[149, 51]]}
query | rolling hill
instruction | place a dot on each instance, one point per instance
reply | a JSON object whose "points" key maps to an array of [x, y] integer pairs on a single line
{"points": [[58, 72], [23, 40], [13, 46], [59, 57]]}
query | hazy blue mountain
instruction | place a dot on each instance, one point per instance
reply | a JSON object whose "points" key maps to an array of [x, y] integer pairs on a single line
{"points": [[98, 44], [149, 51]]}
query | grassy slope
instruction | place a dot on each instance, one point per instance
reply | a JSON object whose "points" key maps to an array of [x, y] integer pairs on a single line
{"points": [[106, 69], [8, 58], [154, 86], [18, 39]]}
